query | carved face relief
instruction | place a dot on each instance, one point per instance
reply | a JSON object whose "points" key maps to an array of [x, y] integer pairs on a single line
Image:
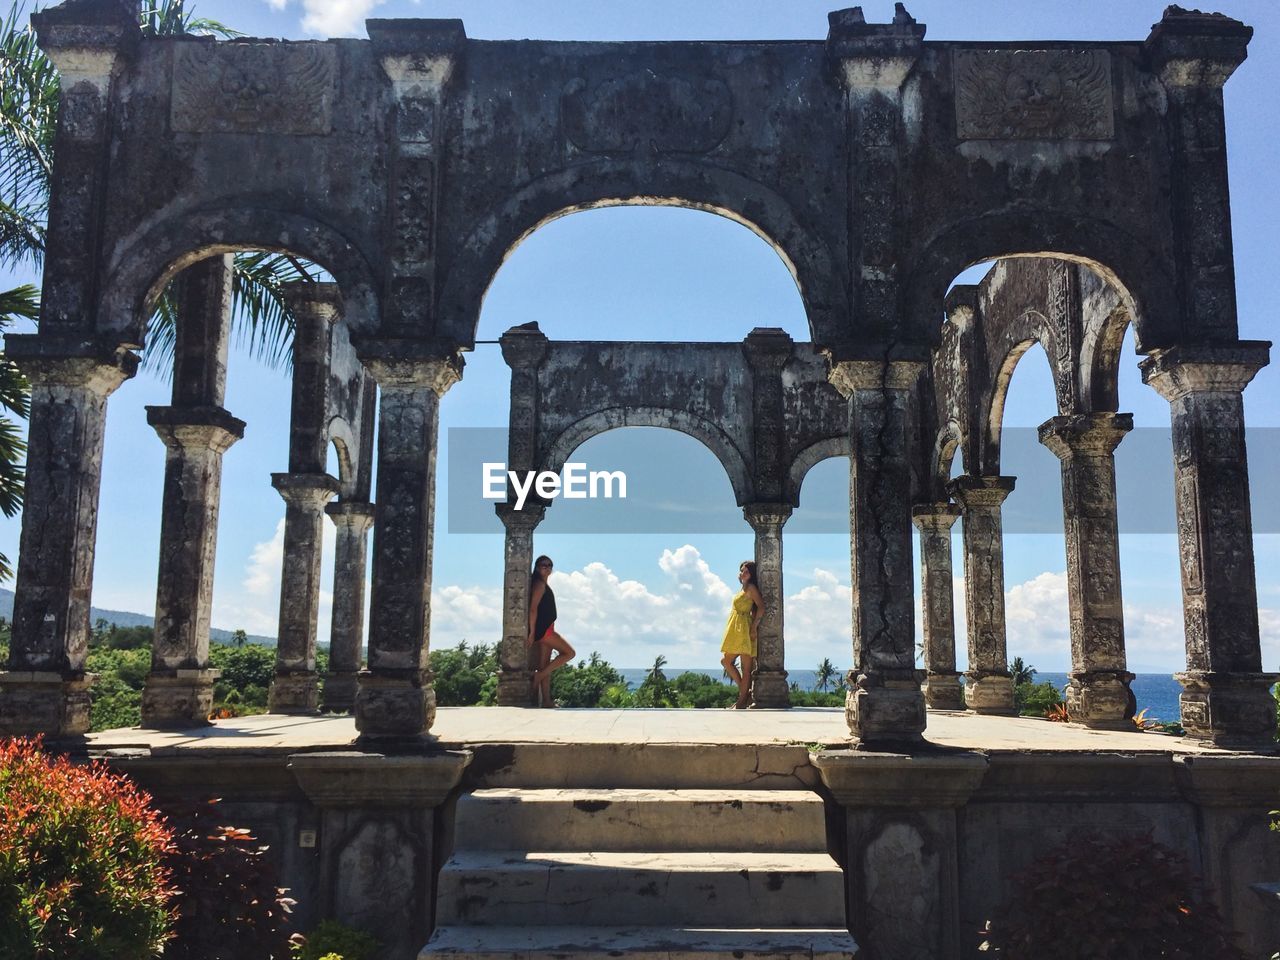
{"points": [[1033, 95]]}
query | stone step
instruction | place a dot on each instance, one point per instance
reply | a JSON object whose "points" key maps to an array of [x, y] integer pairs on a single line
{"points": [[700, 889], [633, 820], [637, 943]]}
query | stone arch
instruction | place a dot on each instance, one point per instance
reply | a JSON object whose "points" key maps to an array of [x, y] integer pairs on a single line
{"points": [[151, 258], [810, 457], [816, 271], [993, 416], [946, 444], [340, 435], [1141, 274], [722, 447], [1100, 356]]}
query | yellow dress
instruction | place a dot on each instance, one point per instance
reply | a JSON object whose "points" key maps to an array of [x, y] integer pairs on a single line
{"points": [[737, 632]]}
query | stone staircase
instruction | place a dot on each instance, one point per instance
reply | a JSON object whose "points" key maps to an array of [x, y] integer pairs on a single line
{"points": [[644, 874]]}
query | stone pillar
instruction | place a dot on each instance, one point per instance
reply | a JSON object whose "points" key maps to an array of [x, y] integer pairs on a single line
{"points": [[295, 687], [179, 689], [770, 687], [988, 683], [46, 689], [1226, 697], [196, 432], [346, 636], [395, 699], [377, 844], [1098, 689], [886, 703], [514, 676], [942, 687], [902, 848]]}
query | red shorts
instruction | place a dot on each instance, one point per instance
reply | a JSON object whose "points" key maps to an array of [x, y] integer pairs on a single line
{"points": [[546, 633]]}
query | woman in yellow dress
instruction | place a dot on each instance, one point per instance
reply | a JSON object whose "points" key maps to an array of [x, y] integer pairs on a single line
{"points": [[740, 633]]}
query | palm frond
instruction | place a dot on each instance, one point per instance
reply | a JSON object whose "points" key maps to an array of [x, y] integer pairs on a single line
{"points": [[13, 474], [263, 320], [169, 18]]}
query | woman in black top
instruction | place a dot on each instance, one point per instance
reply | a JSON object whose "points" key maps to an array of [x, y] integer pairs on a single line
{"points": [[542, 631]]}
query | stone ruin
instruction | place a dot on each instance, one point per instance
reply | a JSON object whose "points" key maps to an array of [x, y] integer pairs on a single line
{"points": [[878, 165]]}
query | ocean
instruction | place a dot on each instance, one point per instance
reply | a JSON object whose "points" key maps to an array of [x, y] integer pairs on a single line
{"points": [[1156, 692]]}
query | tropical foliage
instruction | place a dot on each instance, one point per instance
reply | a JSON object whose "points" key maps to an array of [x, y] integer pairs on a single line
{"points": [[85, 868]]}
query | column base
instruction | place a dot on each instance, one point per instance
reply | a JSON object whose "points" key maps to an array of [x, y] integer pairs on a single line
{"points": [[883, 710], [943, 691], [989, 693], [395, 707], [1229, 709], [294, 693], [769, 690], [340, 691], [179, 700], [1100, 699], [515, 688], [45, 702]]}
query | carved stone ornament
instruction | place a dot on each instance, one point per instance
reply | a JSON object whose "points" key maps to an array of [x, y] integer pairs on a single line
{"points": [[641, 113], [1033, 95], [260, 88]]}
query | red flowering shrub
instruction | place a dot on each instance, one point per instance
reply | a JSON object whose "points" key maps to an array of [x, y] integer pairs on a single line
{"points": [[82, 861], [226, 900]]}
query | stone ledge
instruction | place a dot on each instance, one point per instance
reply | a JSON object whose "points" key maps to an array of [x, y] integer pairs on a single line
{"points": [[355, 779], [900, 780]]}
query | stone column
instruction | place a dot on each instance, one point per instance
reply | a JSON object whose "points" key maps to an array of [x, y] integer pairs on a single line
{"points": [[942, 687], [1098, 689], [46, 689], [514, 676], [988, 683], [346, 636], [770, 687], [1226, 697], [295, 687], [395, 699], [179, 689], [196, 432], [886, 703]]}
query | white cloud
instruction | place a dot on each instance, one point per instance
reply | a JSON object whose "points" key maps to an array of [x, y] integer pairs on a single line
{"points": [[331, 18], [819, 623]]}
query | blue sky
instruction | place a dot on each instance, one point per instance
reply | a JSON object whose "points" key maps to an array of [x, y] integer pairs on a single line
{"points": [[649, 273]]}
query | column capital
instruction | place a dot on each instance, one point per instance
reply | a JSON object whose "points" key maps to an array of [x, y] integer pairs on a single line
{"points": [[1188, 48], [1088, 434], [348, 515], [524, 347], [873, 57], [1227, 368], [768, 347], [980, 492], [47, 363], [307, 490], [323, 301], [767, 515], [934, 517], [84, 40], [516, 520], [854, 376], [418, 55], [396, 362], [209, 428]]}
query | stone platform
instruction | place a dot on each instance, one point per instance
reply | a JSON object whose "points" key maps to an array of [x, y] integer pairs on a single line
{"points": [[382, 841]]}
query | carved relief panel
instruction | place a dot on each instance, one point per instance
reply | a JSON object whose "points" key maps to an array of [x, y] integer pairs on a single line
{"points": [[1033, 94]]}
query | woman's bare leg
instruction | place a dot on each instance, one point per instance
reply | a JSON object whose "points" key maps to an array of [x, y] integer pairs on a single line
{"points": [[552, 642], [744, 681], [727, 661]]}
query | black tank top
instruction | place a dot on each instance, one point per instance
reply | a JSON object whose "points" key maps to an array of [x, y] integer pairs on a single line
{"points": [[546, 613]]}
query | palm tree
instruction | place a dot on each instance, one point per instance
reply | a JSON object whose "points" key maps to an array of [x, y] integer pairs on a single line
{"points": [[825, 674], [655, 672], [1022, 672], [29, 90]]}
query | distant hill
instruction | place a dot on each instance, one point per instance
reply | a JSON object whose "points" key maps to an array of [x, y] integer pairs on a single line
{"points": [[121, 618]]}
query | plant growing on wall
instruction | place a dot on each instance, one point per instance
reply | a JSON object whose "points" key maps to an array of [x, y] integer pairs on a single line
{"points": [[1108, 898], [83, 861]]}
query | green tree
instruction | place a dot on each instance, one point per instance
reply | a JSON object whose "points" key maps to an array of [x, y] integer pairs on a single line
{"points": [[826, 672], [1022, 672], [239, 638], [699, 691], [656, 690], [586, 684]]}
